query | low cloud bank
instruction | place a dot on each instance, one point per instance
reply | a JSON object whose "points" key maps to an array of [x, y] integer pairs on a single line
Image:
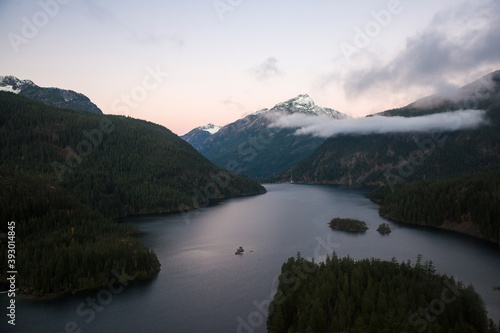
{"points": [[326, 127]]}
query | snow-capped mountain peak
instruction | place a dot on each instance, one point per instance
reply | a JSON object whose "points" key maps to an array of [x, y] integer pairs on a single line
{"points": [[210, 128], [13, 84], [256, 113], [56, 97], [305, 104]]}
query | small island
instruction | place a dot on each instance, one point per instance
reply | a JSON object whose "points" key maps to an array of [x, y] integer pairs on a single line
{"points": [[384, 229], [350, 225]]}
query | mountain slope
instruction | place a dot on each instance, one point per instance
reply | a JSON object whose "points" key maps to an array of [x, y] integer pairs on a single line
{"points": [[60, 98], [479, 94], [199, 135], [249, 147], [65, 175], [469, 204], [390, 158]]}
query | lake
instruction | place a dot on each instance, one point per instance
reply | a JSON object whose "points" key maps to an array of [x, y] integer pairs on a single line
{"points": [[204, 287]]}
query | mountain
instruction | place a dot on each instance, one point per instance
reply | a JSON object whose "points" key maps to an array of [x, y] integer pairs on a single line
{"points": [[199, 135], [479, 94], [468, 204], [60, 98], [249, 146], [390, 158], [66, 175]]}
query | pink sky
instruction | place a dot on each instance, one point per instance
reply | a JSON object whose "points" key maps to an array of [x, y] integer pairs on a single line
{"points": [[217, 64]]}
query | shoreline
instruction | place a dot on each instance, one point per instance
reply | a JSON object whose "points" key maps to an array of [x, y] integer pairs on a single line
{"points": [[448, 226], [59, 295]]}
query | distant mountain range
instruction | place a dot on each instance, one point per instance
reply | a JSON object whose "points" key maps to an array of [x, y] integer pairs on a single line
{"points": [[390, 158], [250, 147], [60, 98], [199, 135]]}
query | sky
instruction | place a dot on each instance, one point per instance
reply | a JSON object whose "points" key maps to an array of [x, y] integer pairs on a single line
{"points": [[184, 64]]}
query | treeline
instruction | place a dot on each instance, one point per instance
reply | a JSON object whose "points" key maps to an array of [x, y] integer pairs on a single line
{"points": [[344, 295], [63, 245], [390, 158], [118, 165], [348, 225], [470, 203], [65, 175]]}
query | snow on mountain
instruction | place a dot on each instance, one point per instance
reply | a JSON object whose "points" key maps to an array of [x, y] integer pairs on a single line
{"points": [[210, 128], [13, 84], [60, 98], [256, 113], [304, 104], [197, 136], [251, 147]]}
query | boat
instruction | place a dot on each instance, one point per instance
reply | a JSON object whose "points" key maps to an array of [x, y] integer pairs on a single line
{"points": [[239, 250]]}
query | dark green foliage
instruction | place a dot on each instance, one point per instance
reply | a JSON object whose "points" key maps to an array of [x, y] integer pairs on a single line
{"points": [[249, 147], [391, 158], [384, 228], [348, 225], [343, 295], [64, 245], [64, 175], [470, 204], [60, 98]]}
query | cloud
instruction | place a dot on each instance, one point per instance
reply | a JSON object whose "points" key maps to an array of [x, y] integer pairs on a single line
{"points": [[99, 12], [327, 127], [267, 69], [229, 103], [459, 42]]}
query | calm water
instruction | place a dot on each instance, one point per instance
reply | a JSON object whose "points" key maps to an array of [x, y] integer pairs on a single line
{"points": [[204, 287]]}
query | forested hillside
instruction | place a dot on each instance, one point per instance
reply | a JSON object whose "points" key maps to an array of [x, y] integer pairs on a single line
{"points": [[66, 174], [250, 147], [343, 295], [469, 204], [390, 158]]}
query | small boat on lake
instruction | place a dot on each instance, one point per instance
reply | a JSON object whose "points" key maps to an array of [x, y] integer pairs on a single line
{"points": [[239, 250]]}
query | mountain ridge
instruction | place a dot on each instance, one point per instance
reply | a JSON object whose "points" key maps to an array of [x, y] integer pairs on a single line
{"points": [[250, 147], [387, 158], [57, 97], [198, 135], [470, 96], [65, 177]]}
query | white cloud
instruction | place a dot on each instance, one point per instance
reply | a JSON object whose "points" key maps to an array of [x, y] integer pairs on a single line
{"points": [[459, 43], [326, 127], [267, 69]]}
